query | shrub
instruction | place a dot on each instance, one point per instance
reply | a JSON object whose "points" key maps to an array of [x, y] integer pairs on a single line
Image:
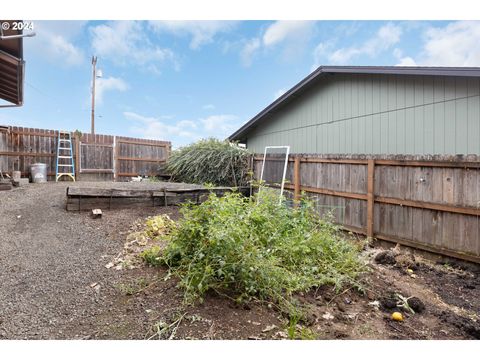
{"points": [[210, 161], [258, 250]]}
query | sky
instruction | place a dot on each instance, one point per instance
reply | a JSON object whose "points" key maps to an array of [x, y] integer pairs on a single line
{"points": [[185, 80]]}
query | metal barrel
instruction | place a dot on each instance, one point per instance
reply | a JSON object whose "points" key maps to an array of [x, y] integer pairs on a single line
{"points": [[38, 172]]}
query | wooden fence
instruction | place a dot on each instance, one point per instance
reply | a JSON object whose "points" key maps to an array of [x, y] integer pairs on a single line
{"points": [[97, 157], [430, 203]]}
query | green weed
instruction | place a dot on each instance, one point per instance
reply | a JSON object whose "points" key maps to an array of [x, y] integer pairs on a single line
{"points": [[260, 250]]}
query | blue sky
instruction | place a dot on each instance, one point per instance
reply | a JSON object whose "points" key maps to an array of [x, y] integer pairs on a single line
{"points": [[185, 80]]}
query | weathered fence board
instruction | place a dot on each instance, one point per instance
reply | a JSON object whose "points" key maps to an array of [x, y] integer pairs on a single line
{"points": [[97, 157], [429, 202]]}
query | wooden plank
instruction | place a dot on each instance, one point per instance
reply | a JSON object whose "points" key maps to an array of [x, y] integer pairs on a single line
{"points": [[370, 197], [140, 159], [97, 144], [430, 248], [328, 192], [334, 161], [415, 163], [22, 153], [145, 143], [34, 133], [427, 205], [296, 179]]}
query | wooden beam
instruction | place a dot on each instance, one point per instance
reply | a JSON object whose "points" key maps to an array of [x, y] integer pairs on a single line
{"points": [[329, 192], [134, 174], [296, 180], [20, 153], [33, 133], [430, 248], [429, 206], [77, 156], [96, 171], [335, 161], [95, 144], [132, 142], [448, 164], [139, 159], [413, 163], [370, 197]]}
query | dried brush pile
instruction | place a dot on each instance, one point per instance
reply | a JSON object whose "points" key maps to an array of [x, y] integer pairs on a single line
{"points": [[210, 161]]}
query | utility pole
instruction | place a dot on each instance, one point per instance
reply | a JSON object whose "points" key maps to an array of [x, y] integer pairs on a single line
{"points": [[94, 63]]}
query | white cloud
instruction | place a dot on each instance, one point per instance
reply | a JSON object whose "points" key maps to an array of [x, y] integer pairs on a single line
{"points": [[456, 44], [202, 31], [279, 93], [208, 107], [282, 30], [407, 61], [320, 52], [249, 50], [155, 128], [54, 40], [219, 125], [127, 42], [387, 36], [292, 34], [102, 85], [184, 131]]}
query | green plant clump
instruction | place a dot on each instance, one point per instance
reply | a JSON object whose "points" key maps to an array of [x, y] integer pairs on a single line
{"points": [[220, 163], [259, 250]]}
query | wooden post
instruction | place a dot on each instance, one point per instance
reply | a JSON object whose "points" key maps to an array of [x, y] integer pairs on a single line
{"points": [[116, 170], [296, 179], [77, 157], [370, 197]]}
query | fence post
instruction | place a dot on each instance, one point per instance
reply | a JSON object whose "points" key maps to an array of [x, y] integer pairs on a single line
{"points": [[115, 160], [370, 196], [296, 179], [77, 156]]}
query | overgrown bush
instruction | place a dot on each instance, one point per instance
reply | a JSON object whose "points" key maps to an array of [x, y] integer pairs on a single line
{"points": [[211, 161], [258, 250]]}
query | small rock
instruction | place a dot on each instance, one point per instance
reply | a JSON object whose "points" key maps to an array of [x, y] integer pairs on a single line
{"points": [[109, 265], [370, 295], [269, 328], [347, 301], [19, 216], [388, 302], [281, 335], [385, 257], [340, 306], [93, 284], [416, 304], [375, 304], [328, 316], [96, 213]]}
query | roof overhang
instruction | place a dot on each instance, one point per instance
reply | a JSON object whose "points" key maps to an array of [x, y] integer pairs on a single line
{"points": [[12, 66], [323, 71]]}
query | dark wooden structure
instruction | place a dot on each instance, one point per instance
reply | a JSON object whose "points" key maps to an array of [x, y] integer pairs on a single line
{"points": [[113, 196], [97, 157], [427, 202]]}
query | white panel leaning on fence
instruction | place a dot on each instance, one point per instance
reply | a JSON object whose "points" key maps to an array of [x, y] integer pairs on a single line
{"points": [[287, 153]]}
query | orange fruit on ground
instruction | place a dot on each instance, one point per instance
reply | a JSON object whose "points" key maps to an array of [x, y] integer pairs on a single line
{"points": [[397, 316]]}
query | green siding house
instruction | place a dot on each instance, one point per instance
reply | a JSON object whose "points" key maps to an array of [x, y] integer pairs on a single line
{"points": [[373, 110]]}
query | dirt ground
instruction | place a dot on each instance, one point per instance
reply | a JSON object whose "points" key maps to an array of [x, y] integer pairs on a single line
{"points": [[54, 285]]}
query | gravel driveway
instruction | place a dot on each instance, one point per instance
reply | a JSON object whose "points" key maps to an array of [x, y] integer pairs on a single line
{"points": [[49, 258]]}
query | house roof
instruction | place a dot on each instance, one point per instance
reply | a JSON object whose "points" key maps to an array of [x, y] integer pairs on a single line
{"points": [[322, 71], [11, 66]]}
